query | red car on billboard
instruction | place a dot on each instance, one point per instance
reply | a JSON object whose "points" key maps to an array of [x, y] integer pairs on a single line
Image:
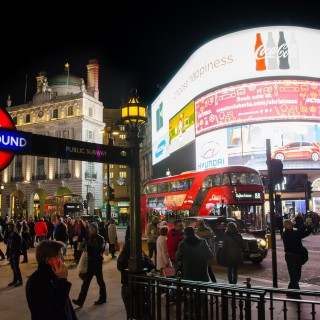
{"points": [[298, 150]]}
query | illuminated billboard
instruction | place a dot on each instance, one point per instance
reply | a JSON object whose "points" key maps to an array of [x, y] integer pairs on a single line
{"points": [[239, 90]]}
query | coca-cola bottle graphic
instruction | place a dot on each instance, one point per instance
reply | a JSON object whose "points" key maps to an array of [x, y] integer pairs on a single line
{"points": [[283, 52], [294, 52], [259, 53], [271, 53]]}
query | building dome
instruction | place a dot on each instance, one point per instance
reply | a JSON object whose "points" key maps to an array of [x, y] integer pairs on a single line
{"points": [[64, 79], [63, 84]]}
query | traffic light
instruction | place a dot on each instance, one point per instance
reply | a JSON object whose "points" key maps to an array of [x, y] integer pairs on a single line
{"points": [[308, 190], [85, 204], [276, 169]]}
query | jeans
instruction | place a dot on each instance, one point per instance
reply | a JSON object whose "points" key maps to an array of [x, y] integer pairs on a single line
{"points": [[233, 274], [93, 270], [14, 264]]}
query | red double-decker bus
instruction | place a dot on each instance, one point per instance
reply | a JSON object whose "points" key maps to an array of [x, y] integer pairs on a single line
{"points": [[231, 191], [66, 204]]}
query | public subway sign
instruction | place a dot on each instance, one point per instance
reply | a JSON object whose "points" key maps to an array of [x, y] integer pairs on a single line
{"points": [[53, 147]]}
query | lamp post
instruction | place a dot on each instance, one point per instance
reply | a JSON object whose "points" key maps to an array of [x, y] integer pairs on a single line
{"points": [[133, 114]]}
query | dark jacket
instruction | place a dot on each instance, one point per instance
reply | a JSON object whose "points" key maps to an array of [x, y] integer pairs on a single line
{"points": [[292, 239], [194, 253], [95, 247], [14, 245], [233, 245], [61, 233], [48, 296]]}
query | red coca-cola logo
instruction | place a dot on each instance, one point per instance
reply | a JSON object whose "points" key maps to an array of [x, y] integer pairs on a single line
{"points": [[5, 122]]}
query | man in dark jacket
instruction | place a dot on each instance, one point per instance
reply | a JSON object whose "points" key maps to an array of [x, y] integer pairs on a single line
{"points": [[95, 248], [47, 289], [292, 247], [13, 254], [194, 253]]}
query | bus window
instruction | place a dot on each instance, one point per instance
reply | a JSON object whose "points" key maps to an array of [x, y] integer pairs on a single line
{"points": [[225, 179]]}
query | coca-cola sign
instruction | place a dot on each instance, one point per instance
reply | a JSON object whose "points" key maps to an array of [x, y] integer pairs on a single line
{"points": [[273, 55]]}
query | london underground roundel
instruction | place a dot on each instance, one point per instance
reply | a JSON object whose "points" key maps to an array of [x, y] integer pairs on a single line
{"points": [[5, 122]]}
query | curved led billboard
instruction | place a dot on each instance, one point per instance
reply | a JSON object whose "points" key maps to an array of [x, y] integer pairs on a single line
{"points": [[239, 90]]}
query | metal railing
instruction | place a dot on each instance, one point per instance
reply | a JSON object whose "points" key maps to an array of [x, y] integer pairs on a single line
{"points": [[167, 298]]}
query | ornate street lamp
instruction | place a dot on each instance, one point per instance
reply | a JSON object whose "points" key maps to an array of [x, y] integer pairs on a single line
{"points": [[133, 114]]}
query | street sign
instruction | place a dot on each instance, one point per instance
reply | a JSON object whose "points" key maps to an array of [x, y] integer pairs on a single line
{"points": [[14, 141], [6, 122]]}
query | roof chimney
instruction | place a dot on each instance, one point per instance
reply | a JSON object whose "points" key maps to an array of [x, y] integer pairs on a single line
{"points": [[93, 78]]}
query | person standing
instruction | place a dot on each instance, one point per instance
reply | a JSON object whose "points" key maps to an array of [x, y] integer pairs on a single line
{"points": [[163, 260], [174, 237], [26, 239], [193, 254], [293, 247], [48, 288], [41, 229], [31, 225], [206, 233], [153, 232], [113, 238], [95, 247], [13, 254], [233, 245]]}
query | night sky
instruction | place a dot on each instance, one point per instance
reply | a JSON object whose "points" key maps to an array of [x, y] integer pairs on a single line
{"points": [[137, 45]]}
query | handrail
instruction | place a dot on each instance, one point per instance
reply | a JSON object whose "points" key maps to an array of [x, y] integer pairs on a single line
{"points": [[215, 301]]}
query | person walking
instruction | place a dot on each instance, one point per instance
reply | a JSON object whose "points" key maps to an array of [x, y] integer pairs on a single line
{"points": [[113, 238], [293, 248], [153, 232], [206, 233], [48, 288], [95, 247], [31, 225], [13, 254], [60, 231], [233, 245], [163, 260]]}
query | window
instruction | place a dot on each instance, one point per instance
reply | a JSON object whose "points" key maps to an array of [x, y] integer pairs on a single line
{"points": [[63, 134], [27, 118], [40, 166], [64, 166], [15, 120], [90, 134], [18, 167], [54, 114], [90, 112], [70, 111]]}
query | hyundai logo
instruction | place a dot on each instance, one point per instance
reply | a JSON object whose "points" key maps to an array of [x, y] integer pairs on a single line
{"points": [[210, 149]]}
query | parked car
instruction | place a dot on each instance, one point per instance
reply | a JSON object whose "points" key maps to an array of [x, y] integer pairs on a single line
{"points": [[297, 150], [255, 248]]}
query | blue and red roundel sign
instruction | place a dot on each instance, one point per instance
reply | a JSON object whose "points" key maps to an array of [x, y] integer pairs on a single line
{"points": [[5, 123]]}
